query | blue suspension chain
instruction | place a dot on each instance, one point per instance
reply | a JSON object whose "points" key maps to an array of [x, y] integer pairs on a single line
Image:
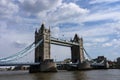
{"points": [[18, 52], [21, 53]]}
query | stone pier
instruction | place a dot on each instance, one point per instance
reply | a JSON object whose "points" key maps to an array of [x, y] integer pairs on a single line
{"points": [[42, 52]]}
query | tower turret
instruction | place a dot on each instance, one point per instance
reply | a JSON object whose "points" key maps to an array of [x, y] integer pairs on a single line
{"points": [[76, 38], [42, 52], [36, 31], [77, 50]]}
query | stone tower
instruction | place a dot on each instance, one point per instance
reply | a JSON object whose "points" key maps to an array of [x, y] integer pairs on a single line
{"points": [[42, 52], [77, 53]]}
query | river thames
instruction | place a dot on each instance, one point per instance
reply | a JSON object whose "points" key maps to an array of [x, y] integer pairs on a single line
{"points": [[110, 74]]}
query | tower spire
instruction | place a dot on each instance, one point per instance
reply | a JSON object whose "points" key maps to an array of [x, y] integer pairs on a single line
{"points": [[42, 26], [49, 29], [76, 38], [36, 31]]}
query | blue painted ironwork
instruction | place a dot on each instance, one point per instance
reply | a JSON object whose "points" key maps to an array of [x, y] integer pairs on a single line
{"points": [[22, 53]]}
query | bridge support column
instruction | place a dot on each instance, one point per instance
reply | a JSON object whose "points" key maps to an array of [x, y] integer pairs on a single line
{"points": [[77, 54], [42, 52], [48, 66], [45, 66], [34, 68], [84, 66]]}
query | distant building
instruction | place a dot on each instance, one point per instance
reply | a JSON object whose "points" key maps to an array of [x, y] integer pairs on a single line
{"points": [[118, 62], [112, 64], [99, 59], [21, 68], [100, 63], [118, 59]]}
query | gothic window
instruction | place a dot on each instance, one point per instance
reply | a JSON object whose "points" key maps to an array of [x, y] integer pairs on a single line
{"points": [[47, 37]]}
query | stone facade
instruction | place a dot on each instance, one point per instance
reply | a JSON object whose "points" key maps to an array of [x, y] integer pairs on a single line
{"points": [[77, 53], [42, 52], [118, 63]]}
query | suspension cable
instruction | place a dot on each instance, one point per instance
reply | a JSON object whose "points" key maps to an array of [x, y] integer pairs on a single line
{"points": [[27, 48], [87, 54], [21, 53]]}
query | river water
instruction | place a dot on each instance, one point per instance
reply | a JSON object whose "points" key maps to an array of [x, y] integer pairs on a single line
{"points": [[111, 74]]}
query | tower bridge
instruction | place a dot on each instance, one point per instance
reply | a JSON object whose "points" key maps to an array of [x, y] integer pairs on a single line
{"points": [[43, 55], [41, 45], [43, 61]]}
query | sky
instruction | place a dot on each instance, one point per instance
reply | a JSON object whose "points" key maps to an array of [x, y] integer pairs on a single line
{"points": [[97, 21]]}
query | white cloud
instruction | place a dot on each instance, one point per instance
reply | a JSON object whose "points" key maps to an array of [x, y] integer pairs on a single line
{"points": [[94, 31], [107, 45], [3, 26], [102, 13], [98, 16], [90, 45], [11, 37], [36, 6], [103, 1], [55, 32], [100, 40], [113, 43], [7, 8], [66, 12], [19, 44]]}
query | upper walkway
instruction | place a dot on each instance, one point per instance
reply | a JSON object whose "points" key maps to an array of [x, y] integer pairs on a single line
{"points": [[61, 42]]}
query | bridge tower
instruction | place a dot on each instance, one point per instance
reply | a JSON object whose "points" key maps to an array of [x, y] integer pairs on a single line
{"points": [[77, 53], [42, 52]]}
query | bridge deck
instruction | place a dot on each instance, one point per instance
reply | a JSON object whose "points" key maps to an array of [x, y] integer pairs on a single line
{"points": [[18, 64]]}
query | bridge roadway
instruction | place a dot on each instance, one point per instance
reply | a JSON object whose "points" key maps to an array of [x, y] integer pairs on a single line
{"points": [[27, 64], [61, 42], [18, 64]]}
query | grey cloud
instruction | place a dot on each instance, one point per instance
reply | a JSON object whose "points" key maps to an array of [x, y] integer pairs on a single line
{"points": [[19, 44], [35, 6], [67, 12], [103, 1], [0, 36], [7, 8]]}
